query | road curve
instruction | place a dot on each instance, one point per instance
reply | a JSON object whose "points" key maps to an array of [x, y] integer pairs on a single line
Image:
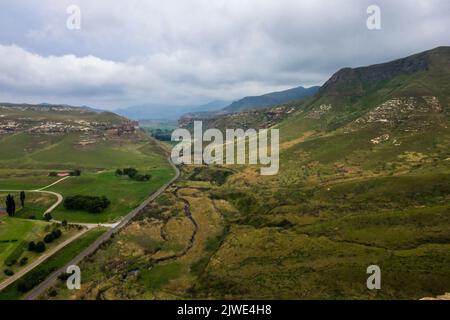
{"points": [[59, 197], [43, 286]]}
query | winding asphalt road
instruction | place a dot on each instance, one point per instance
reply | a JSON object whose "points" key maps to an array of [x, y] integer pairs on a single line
{"points": [[47, 283]]}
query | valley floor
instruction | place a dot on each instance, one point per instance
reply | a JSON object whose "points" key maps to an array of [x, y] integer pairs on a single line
{"points": [[200, 240]]}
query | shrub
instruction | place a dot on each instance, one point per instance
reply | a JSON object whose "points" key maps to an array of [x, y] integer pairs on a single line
{"points": [[56, 234], [40, 247], [48, 216], [63, 276], [130, 172], [133, 173], [23, 261], [32, 246], [9, 272], [52, 292], [48, 238]]}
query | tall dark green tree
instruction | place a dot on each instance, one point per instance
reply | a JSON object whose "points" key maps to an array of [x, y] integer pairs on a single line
{"points": [[22, 198], [10, 205]]}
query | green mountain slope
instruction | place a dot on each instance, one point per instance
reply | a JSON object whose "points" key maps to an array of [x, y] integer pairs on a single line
{"points": [[50, 136], [364, 179], [271, 99]]}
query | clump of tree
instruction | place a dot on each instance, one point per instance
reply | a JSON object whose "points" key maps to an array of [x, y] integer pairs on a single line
{"points": [[161, 134], [130, 172], [10, 205], [133, 173], [36, 247], [91, 204], [9, 272], [50, 237], [23, 261]]}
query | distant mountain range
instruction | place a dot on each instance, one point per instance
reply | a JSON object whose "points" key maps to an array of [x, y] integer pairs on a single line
{"points": [[166, 112], [50, 106], [271, 99]]}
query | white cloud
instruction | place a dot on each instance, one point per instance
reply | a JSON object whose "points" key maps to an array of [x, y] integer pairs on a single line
{"points": [[183, 52]]}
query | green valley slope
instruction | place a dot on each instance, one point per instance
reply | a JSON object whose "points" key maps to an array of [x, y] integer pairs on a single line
{"points": [[41, 139], [364, 180]]}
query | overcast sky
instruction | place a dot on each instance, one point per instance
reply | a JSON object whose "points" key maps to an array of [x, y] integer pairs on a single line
{"points": [[179, 52]]}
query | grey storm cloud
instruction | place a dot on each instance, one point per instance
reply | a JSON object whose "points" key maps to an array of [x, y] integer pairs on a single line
{"points": [[185, 52]]}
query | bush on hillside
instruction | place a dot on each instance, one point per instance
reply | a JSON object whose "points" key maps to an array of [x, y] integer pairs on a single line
{"points": [[55, 234], [40, 247], [31, 246], [23, 261], [9, 272]]}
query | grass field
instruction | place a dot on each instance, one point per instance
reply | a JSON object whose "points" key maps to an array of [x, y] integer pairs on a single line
{"points": [[34, 156], [51, 264], [26, 180], [124, 193], [17, 230]]}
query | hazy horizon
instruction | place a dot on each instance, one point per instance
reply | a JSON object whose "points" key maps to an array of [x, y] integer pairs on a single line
{"points": [[179, 54]]}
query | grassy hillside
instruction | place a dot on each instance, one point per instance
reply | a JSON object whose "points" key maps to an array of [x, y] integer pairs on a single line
{"points": [[364, 179], [271, 99], [44, 139]]}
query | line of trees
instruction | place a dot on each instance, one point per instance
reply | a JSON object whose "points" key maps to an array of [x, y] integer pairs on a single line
{"points": [[91, 204], [54, 235], [38, 247], [11, 203]]}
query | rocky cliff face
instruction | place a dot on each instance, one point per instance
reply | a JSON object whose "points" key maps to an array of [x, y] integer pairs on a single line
{"points": [[356, 82]]}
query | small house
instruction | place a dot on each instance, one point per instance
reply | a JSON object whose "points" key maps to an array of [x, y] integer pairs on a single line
{"points": [[63, 174]]}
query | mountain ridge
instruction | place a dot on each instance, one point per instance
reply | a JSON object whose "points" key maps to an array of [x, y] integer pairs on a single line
{"points": [[271, 99]]}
